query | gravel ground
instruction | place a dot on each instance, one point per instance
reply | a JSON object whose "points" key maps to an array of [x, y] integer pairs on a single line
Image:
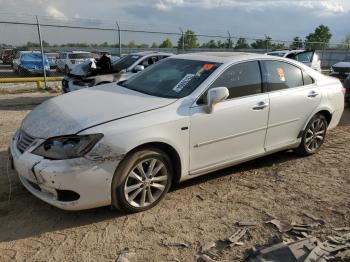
{"points": [[194, 213]]}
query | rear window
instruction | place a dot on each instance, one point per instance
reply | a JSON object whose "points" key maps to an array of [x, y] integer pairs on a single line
{"points": [[81, 56], [125, 62], [277, 54]]}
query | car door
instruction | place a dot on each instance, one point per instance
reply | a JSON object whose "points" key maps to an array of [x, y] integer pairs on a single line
{"points": [[237, 127], [293, 97]]}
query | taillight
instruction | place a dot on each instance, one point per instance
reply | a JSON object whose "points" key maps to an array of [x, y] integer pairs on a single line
{"points": [[72, 61]]}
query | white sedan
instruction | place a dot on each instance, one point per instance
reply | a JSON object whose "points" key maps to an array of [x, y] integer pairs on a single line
{"points": [[124, 145]]}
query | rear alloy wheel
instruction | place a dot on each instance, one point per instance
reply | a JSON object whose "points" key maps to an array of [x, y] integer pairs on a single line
{"points": [[313, 136], [146, 178]]}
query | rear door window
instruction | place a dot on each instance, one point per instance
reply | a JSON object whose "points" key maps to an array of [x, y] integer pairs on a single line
{"points": [[281, 75]]}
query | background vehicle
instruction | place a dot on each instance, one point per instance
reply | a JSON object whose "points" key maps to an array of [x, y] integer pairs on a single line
{"points": [[103, 71], [347, 88], [30, 62], [7, 56], [125, 144], [52, 57], [307, 57], [67, 60], [341, 69]]}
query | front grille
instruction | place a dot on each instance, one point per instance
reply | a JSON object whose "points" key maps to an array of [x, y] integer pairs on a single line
{"points": [[24, 141]]}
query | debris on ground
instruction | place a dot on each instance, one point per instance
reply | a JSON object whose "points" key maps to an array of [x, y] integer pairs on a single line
{"points": [[316, 219], [305, 250], [125, 255], [211, 251], [282, 226], [247, 223]]}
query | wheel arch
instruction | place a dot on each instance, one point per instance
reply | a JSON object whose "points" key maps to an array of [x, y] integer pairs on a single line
{"points": [[169, 150], [324, 111]]}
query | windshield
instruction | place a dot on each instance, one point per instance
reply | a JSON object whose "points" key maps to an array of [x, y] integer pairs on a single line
{"points": [[81, 56], [172, 78], [125, 62]]}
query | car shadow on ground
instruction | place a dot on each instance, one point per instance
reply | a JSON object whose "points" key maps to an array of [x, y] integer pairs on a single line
{"points": [[26, 216]]}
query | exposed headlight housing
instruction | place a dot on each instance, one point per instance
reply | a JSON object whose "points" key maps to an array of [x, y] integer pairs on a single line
{"points": [[67, 147], [85, 82]]}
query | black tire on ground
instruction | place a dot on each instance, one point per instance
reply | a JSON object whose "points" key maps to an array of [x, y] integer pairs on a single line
{"points": [[20, 72], [122, 178], [311, 138]]}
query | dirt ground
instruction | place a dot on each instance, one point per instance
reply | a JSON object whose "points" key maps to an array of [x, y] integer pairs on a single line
{"points": [[194, 213]]}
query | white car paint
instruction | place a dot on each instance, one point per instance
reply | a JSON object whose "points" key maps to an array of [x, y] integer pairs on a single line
{"points": [[64, 61], [232, 134]]}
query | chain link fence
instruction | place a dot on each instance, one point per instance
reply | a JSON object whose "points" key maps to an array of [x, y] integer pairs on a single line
{"points": [[41, 52]]}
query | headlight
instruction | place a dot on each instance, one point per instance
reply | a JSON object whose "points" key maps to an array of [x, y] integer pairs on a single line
{"points": [[67, 147]]}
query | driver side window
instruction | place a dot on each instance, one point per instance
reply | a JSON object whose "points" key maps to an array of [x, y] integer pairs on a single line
{"points": [[241, 80]]}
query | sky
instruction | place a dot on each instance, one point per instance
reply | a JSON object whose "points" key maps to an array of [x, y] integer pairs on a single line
{"points": [[279, 19]]}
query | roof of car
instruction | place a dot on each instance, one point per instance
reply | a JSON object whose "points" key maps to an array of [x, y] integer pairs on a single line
{"points": [[30, 52], [144, 53], [220, 57]]}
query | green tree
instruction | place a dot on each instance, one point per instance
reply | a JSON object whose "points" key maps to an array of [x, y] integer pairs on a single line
{"points": [[262, 43], [210, 44], [322, 34], [346, 42], [166, 44], [242, 44], [297, 43], [154, 45], [132, 44], [190, 40]]}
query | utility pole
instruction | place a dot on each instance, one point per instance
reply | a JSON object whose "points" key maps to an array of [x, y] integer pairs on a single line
{"points": [[120, 42], [183, 40], [42, 49], [229, 39]]}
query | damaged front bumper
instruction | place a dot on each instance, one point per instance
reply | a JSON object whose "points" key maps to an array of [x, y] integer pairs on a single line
{"points": [[73, 184]]}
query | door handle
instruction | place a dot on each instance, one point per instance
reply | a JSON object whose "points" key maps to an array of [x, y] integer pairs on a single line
{"points": [[260, 106], [312, 94]]}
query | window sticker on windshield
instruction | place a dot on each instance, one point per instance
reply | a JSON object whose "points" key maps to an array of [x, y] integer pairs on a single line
{"points": [[281, 74], [184, 81], [208, 67]]}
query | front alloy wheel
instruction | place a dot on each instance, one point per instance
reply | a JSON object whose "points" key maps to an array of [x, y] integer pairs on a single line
{"points": [[313, 136], [146, 183], [144, 178]]}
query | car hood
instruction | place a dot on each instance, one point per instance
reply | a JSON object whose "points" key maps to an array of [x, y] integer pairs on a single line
{"points": [[75, 111], [342, 64]]}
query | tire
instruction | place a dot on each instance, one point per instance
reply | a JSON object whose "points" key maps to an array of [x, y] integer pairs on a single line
{"points": [[20, 72], [313, 136], [134, 191]]}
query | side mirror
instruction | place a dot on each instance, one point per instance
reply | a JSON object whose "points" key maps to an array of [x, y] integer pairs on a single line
{"points": [[139, 68], [215, 96]]}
